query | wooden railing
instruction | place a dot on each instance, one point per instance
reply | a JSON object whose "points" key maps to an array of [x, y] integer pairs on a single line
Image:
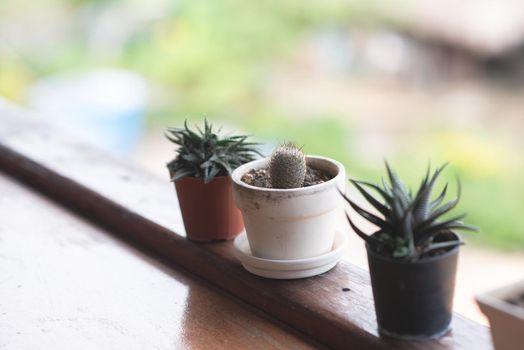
{"points": [[335, 308]]}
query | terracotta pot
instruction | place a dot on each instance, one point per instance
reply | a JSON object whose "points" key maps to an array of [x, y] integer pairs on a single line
{"points": [[506, 319], [208, 210]]}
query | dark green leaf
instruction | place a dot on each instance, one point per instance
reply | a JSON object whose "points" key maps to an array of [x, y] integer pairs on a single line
{"points": [[372, 200], [369, 239], [367, 215], [441, 245]]}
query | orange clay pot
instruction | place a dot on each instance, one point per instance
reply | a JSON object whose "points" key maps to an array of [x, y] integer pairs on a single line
{"points": [[208, 210]]}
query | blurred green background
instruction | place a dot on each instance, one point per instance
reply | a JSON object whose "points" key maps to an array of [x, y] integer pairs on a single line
{"points": [[358, 81]]}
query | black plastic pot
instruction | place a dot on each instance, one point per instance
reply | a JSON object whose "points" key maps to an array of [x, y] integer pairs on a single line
{"points": [[413, 300]]}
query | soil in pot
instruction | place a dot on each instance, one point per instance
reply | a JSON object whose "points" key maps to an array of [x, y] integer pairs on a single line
{"points": [[260, 177], [517, 301], [414, 300]]}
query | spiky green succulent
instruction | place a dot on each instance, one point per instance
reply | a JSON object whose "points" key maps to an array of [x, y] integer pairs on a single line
{"points": [[205, 154], [410, 227], [287, 167]]}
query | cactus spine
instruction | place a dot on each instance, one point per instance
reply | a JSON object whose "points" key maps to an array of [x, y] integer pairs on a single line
{"points": [[287, 167]]}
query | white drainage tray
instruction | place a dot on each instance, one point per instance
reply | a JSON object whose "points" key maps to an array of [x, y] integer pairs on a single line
{"points": [[289, 269]]}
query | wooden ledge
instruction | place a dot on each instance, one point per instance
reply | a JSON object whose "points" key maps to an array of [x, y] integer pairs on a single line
{"points": [[143, 209]]}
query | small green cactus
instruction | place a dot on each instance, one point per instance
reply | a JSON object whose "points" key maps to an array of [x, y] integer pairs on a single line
{"points": [[287, 167]]}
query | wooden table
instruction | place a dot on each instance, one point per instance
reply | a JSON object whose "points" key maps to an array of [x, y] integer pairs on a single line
{"points": [[93, 255], [65, 282]]}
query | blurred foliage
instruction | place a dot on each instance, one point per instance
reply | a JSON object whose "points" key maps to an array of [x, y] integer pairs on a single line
{"points": [[221, 52], [490, 175], [215, 58]]}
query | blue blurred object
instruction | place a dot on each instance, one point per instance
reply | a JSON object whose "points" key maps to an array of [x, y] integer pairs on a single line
{"points": [[104, 107]]}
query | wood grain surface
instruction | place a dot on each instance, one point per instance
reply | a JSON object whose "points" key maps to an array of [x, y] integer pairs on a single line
{"points": [[67, 284], [143, 209]]}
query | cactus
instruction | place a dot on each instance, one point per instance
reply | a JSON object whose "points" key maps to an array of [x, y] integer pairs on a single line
{"points": [[287, 167]]}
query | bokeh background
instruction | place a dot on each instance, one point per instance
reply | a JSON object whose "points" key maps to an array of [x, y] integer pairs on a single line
{"points": [[413, 81]]}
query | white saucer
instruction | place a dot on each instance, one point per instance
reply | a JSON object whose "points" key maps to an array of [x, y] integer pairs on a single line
{"points": [[289, 269]]}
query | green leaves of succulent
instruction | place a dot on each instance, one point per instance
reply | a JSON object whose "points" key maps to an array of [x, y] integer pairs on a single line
{"points": [[205, 154], [409, 225]]}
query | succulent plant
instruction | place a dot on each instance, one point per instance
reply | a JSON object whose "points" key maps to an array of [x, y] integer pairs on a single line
{"points": [[205, 154], [410, 227], [287, 167]]}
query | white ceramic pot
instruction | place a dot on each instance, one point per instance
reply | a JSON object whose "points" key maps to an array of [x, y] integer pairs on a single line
{"points": [[506, 320], [287, 224]]}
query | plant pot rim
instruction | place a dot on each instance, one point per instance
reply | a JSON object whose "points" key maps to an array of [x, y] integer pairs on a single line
{"points": [[197, 178], [450, 252], [237, 174], [496, 298]]}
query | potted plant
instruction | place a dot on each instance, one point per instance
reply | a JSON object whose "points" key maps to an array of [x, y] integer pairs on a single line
{"points": [[201, 173], [412, 256], [504, 308], [289, 203]]}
